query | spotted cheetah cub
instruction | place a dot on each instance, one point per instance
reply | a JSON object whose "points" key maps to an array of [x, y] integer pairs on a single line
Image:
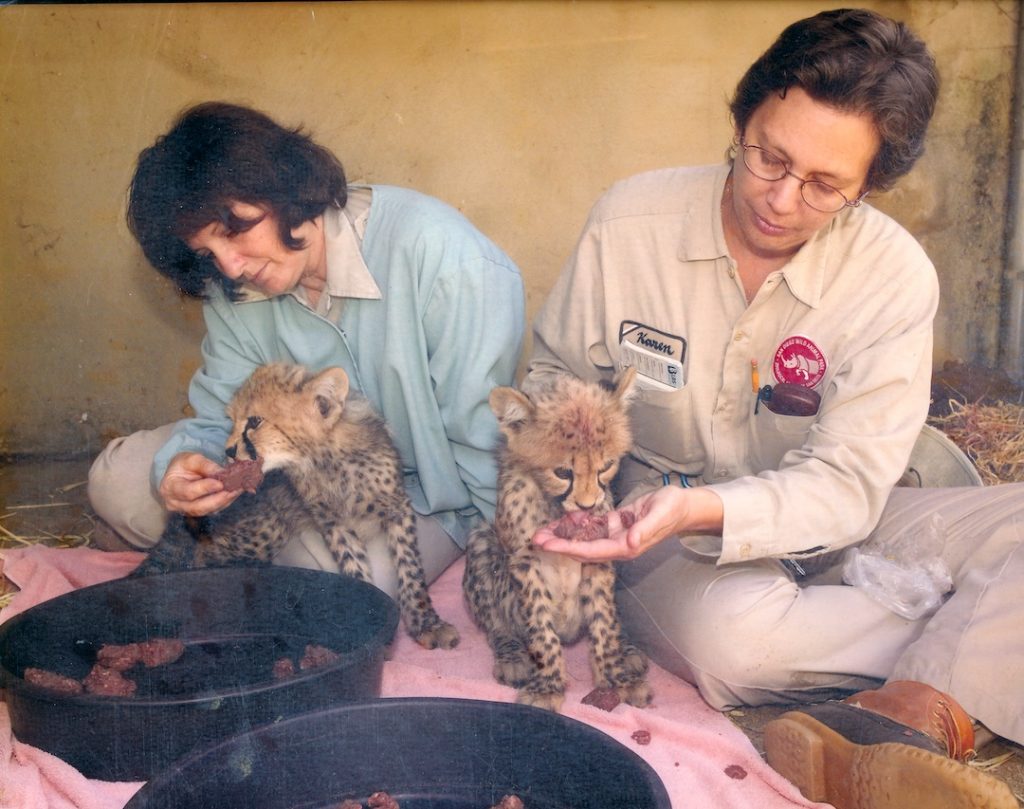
{"points": [[329, 464], [560, 450]]}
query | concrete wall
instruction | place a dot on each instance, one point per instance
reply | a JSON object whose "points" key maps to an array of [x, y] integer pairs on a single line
{"points": [[520, 114]]}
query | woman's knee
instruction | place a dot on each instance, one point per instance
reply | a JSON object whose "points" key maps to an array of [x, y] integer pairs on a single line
{"points": [[741, 637], [703, 621], [106, 480], [119, 487]]}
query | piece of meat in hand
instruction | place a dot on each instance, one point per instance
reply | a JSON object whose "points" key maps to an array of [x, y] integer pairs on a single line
{"points": [[245, 474], [581, 526]]}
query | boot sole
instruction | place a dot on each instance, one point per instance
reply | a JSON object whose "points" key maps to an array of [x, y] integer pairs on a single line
{"points": [[829, 768]]}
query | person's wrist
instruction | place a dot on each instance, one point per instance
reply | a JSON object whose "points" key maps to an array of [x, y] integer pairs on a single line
{"points": [[706, 510]]}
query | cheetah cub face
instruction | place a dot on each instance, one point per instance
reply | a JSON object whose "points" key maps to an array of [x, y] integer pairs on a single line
{"points": [[330, 464], [561, 448], [282, 411], [568, 437]]}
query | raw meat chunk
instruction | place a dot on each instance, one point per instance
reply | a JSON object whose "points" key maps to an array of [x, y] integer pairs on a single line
{"points": [[316, 656], [604, 698], [52, 681], [582, 526], [247, 475], [108, 682], [160, 651]]}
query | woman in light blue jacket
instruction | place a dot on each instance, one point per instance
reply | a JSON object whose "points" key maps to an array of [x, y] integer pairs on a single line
{"points": [[423, 312]]}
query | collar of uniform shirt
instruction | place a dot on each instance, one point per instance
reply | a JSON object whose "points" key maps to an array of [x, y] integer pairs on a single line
{"points": [[805, 273], [704, 243]]}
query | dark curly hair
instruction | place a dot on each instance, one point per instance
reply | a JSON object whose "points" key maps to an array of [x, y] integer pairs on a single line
{"points": [[857, 61], [216, 154]]}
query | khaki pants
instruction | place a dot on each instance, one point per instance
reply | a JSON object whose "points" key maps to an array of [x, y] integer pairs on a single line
{"points": [[749, 634], [121, 495]]}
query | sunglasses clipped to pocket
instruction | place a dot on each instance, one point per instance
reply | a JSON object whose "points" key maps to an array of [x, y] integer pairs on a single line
{"points": [[787, 399]]}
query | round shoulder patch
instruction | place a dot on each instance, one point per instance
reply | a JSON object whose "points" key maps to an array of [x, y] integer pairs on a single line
{"points": [[799, 361]]}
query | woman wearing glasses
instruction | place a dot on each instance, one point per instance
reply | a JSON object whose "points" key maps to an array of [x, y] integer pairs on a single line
{"points": [[782, 330]]}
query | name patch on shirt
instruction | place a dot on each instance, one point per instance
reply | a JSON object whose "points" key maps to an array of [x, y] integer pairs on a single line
{"points": [[799, 361], [659, 357]]}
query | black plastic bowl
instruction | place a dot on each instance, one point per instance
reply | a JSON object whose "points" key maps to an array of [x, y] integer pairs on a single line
{"points": [[235, 623], [436, 753]]}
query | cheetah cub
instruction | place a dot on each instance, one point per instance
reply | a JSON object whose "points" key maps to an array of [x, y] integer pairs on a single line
{"points": [[329, 464], [560, 449]]}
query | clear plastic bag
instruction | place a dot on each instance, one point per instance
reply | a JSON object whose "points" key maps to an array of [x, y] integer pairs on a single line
{"points": [[907, 575]]}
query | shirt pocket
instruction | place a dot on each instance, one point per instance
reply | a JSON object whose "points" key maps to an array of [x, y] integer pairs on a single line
{"points": [[663, 424], [775, 435]]}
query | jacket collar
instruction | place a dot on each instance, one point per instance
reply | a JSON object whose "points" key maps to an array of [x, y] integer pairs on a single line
{"points": [[347, 273]]}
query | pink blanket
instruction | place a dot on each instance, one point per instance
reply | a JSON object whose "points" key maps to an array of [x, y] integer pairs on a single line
{"points": [[703, 759]]}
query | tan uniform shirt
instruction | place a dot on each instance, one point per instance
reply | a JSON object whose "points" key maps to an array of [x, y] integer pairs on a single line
{"points": [[651, 284]]}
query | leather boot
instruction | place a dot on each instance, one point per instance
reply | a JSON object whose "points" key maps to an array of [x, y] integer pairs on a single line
{"points": [[901, 746], [924, 708]]}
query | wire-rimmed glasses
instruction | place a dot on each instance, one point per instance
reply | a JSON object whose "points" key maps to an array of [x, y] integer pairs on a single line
{"points": [[820, 196]]}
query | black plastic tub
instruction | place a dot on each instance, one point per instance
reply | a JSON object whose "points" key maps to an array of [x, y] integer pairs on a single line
{"points": [[235, 624], [426, 753]]}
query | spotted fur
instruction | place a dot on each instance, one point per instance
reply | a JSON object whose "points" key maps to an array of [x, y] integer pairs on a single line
{"points": [[329, 464], [560, 451]]}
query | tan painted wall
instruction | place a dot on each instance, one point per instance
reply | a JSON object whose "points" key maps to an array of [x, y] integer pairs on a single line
{"points": [[520, 114]]}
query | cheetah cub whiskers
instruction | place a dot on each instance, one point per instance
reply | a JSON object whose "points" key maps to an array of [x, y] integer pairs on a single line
{"points": [[331, 465], [560, 450]]}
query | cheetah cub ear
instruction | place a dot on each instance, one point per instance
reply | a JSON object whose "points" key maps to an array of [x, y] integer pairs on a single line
{"points": [[622, 385], [512, 408], [330, 389]]}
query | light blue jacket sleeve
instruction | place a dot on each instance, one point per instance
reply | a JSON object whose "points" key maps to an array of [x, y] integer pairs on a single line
{"points": [[230, 353], [456, 319], [474, 326], [448, 328]]}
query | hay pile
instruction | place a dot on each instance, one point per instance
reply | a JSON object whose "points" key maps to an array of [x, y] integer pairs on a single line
{"points": [[992, 436], [66, 514]]}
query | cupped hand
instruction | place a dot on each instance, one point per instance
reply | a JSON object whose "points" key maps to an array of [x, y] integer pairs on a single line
{"points": [[657, 515], [618, 545], [189, 488]]}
